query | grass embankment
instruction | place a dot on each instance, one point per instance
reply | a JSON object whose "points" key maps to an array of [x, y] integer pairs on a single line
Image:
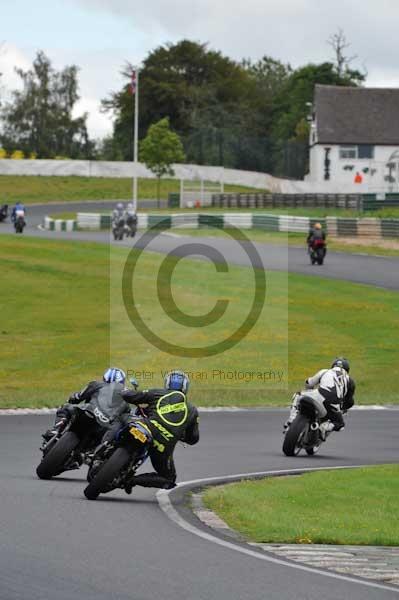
{"points": [[42, 189], [55, 332], [332, 507]]}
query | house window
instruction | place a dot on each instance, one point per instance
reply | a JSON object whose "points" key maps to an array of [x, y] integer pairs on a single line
{"points": [[348, 152], [365, 151], [359, 151]]}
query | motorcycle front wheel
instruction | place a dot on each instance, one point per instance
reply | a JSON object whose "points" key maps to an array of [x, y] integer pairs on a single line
{"points": [[296, 433], [108, 472], [53, 462]]}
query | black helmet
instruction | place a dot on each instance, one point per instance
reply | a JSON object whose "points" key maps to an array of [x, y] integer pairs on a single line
{"points": [[341, 362]]}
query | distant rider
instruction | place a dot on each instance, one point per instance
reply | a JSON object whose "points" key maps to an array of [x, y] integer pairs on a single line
{"points": [[110, 387], [118, 212], [3, 212], [335, 389], [131, 217], [19, 210], [315, 234], [170, 418]]}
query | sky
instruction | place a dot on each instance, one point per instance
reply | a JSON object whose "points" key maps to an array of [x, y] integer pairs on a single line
{"points": [[100, 36]]}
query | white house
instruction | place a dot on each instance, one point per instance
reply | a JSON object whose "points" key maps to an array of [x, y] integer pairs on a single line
{"points": [[354, 139]]}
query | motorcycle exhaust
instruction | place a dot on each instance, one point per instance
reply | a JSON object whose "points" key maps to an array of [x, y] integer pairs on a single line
{"points": [[314, 426]]}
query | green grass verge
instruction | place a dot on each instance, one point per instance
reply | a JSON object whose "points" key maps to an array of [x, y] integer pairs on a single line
{"points": [[293, 239], [55, 332], [41, 189], [64, 215], [330, 507]]}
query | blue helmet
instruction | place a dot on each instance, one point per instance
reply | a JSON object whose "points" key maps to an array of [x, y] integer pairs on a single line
{"points": [[177, 380], [114, 374]]}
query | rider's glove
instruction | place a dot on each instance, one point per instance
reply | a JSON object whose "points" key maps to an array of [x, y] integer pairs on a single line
{"points": [[74, 398]]}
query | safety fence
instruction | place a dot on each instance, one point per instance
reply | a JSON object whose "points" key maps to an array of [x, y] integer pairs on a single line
{"points": [[335, 226]]}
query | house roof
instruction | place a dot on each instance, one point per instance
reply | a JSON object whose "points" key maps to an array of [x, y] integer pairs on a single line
{"points": [[350, 115]]}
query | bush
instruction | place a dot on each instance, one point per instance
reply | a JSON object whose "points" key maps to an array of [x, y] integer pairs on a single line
{"points": [[17, 155]]}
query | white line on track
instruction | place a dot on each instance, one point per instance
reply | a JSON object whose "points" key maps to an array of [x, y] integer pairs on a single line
{"points": [[163, 497]]}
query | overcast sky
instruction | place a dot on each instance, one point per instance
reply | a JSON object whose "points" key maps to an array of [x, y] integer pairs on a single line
{"points": [[101, 35]]}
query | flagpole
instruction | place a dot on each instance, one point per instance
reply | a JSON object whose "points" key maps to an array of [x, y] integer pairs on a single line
{"points": [[135, 138]]}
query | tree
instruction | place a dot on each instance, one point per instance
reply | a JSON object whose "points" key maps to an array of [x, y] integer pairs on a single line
{"points": [[39, 117], [338, 43], [186, 82], [160, 149]]}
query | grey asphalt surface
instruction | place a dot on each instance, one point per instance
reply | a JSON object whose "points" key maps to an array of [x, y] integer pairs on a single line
{"points": [[56, 544], [372, 270]]}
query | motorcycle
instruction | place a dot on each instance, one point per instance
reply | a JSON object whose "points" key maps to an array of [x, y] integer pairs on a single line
{"points": [[115, 463], [317, 251], [19, 222], [305, 431], [3, 212], [131, 226], [118, 228], [73, 444]]}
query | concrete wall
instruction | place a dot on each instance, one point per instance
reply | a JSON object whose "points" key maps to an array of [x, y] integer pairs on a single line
{"points": [[85, 168]]}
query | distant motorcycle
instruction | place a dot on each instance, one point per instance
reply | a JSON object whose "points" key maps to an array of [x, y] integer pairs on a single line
{"points": [[304, 432], [3, 212], [19, 222], [115, 463], [118, 228], [73, 445], [317, 251], [131, 226]]}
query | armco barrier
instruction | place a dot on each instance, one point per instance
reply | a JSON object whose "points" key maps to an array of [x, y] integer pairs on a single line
{"points": [[335, 226]]}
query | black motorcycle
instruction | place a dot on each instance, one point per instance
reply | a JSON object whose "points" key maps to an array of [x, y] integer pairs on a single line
{"points": [[317, 251], [304, 433], [3, 212], [115, 463], [131, 226], [74, 445], [118, 228], [19, 224]]}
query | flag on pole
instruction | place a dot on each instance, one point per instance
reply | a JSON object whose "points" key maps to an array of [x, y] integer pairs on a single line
{"points": [[133, 83]]}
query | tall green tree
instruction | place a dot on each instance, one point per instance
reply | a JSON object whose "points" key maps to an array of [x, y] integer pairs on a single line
{"points": [[160, 149], [186, 82], [38, 119]]}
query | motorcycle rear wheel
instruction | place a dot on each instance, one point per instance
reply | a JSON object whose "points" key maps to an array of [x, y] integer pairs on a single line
{"points": [[53, 462], [294, 436], [108, 472]]}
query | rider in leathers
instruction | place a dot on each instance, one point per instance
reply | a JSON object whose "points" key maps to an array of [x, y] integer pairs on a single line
{"points": [[110, 389], [170, 419], [335, 389]]}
